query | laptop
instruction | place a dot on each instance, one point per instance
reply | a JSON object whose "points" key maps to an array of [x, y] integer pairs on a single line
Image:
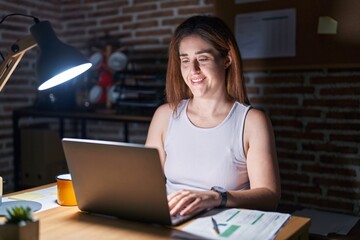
{"points": [[119, 179]]}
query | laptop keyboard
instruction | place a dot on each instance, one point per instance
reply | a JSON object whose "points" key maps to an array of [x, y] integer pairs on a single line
{"points": [[177, 219]]}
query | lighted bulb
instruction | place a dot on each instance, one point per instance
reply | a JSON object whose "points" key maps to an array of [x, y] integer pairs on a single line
{"points": [[65, 76]]}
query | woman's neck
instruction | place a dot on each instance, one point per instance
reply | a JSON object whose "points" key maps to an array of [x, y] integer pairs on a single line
{"points": [[208, 113]]}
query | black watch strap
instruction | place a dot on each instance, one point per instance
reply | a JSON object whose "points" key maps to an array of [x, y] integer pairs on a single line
{"points": [[223, 195]]}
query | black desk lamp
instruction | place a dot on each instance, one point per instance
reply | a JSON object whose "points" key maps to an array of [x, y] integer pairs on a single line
{"points": [[57, 62]]}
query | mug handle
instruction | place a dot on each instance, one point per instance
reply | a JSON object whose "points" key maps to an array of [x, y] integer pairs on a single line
{"points": [[1, 189]]}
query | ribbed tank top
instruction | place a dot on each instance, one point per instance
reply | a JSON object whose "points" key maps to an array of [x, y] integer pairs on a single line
{"points": [[199, 158]]}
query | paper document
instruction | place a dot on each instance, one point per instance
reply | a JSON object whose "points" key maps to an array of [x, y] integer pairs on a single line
{"points": [[266, 34], [239, 224], [47, 197]]}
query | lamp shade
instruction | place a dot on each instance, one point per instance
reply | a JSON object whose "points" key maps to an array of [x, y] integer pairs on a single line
{"points": [[57, 62]]}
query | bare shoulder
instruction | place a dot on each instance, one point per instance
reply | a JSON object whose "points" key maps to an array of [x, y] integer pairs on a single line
{"points": [[158, 128], [257, 125], [257, 118], [259, 139], [163, 112], [160, 119]]}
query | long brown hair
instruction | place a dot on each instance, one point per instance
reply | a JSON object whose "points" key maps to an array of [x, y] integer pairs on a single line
{"points": [[217, 33]]}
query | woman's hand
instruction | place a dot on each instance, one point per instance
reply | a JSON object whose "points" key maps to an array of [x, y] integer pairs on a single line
{"points": [[188, 202]]}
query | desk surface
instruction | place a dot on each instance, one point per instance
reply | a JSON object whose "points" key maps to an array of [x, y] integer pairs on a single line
{"points": [[70, 223]]}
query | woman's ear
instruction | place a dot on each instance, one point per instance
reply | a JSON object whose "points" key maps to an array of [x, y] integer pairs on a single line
{"points": [[228, 61]]}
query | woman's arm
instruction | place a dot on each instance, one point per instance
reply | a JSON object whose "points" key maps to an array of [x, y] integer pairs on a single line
{"points": [[157, 130], [263, 170]]}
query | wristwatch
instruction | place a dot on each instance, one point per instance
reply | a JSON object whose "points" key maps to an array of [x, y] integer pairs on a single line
{"points": [[223, 195]]}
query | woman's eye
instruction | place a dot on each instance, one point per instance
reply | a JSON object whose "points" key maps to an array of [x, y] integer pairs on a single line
{"points": [[184, 60], [202, 59]]}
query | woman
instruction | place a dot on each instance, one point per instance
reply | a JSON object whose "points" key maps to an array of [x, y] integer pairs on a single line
{"points": [[216, 151]]}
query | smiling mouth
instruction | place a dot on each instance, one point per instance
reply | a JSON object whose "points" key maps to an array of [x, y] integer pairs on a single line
{"points": [[197, 80]]}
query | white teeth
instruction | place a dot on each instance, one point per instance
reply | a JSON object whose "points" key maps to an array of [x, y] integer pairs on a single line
{"points": [[197, 80]]}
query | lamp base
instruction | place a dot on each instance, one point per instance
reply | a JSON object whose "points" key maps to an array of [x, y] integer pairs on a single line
{"points": [[34, 206]]}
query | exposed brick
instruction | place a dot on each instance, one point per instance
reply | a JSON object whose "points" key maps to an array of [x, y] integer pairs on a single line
{"points": [[333, 182], [176, 4], [252, 90], [292, 123], [348, 115], [343, 194], [139, 8], [288, 134], [156, 32], [283, 101], [199, 10], [295, 156], [122, 19], [102, 30], [332, 103], [75, 17], [294, 80], [285, 166], [137, 2], [17, 32], [157, 14], [280, 90], [144, 42], [282, 144], [286, 197], [72, 33], [332, 126], [208, 2], [307, 189], [140, 25], [335, 80], [10, 8], [355, 91], [106, 13], [342, 160], [355, 137], [326, 147], [325, 203], [76, 9], [173, 21], [299, 112], [111, 4], [295, 177], [316, 168]]}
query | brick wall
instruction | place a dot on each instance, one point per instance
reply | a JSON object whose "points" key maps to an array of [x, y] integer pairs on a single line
{"points": [[315, 114], [316, 120]]}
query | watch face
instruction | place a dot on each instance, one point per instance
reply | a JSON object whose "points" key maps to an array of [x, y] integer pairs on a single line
{"points": [[219, 189]]}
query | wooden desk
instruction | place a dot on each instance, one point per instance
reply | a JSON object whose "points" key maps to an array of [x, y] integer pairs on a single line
{"points": [[70, 223]]}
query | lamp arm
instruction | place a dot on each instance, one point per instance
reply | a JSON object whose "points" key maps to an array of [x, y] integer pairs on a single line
{"points": [[17, 51]]}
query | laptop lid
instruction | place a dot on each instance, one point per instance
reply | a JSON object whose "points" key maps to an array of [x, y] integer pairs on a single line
{"points": [[118, 179]]}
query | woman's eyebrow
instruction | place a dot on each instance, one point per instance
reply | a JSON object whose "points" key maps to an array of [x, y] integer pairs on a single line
{"points": [[210, 50]]}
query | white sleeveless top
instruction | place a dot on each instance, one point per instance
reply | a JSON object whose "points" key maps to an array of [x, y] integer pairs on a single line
{"points": [[199, 158]]}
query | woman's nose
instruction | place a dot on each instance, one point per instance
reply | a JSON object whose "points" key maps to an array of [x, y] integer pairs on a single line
{"points": [[195, 66]]}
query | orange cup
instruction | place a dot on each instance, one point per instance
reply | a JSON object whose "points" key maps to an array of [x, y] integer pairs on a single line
{"points": [[65, 190]]}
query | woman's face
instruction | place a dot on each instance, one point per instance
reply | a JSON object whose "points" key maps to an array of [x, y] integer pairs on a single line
{"points": [[202, 67]]}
